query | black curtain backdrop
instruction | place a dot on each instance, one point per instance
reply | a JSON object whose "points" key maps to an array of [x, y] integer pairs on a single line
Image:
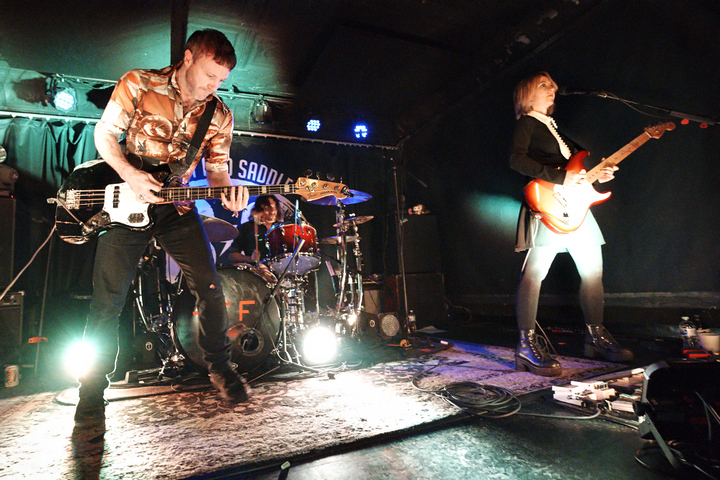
{"points": [[661, 224]]}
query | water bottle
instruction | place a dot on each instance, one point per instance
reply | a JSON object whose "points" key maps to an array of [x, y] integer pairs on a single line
{"points": [[412, 325], [688, 332]]}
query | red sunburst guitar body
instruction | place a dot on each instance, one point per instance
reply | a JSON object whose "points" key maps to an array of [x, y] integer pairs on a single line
{"points": [[563, 209]]}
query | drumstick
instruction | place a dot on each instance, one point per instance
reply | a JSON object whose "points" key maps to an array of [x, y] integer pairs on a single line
{"points": [[255, 225]]}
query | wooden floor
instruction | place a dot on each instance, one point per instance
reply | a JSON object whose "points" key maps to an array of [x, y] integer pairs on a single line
{"points": [[520, 446]]}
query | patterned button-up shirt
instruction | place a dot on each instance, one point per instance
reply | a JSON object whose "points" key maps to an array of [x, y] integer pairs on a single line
{"points": [[146, 108]]}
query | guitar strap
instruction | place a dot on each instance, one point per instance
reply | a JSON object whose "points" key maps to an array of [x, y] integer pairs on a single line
{"points": [[178, 169]]}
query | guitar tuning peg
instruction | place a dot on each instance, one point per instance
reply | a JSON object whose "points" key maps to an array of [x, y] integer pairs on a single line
{"points": [[330, 177], [308, 173], [319, 175]]}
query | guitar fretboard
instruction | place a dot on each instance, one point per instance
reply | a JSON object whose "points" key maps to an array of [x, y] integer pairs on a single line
{"points": [[617, 157], [180, 194]]}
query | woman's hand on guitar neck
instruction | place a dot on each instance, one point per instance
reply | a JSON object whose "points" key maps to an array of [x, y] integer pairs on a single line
{"points": [[607, 174]]}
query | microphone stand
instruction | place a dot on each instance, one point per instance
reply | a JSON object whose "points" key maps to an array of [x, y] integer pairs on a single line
{"points": [[400, 238], [665, 111]]}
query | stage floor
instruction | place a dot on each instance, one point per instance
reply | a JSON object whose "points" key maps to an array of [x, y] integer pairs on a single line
{"points": [[310, 429]]}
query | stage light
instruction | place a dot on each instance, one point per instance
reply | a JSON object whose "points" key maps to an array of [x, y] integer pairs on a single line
{"points": [[313, 125], [319, 346], [261, 112], [62, 95], [79, 357], [361, 131]]}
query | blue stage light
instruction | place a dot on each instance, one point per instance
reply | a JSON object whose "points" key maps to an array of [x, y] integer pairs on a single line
{"points": [[361, 131], [313, 125]]}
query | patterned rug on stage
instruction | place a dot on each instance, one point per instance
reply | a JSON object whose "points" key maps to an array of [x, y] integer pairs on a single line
{"points": [[190, 433]]}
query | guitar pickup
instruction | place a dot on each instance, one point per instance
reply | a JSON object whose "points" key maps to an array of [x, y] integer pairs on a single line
{"points": [[560, 199], [135, 218]]}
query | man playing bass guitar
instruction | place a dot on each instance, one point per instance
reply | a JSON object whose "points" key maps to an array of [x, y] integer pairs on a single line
{"points": [[157, 112]]}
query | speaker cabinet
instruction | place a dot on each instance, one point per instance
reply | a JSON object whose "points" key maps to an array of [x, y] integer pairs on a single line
{"points": [[8, 214], [421, 246], [11, 324], [425, 297]]}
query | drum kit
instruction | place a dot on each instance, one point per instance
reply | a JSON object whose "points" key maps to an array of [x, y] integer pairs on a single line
{"points": [[265, 301]]}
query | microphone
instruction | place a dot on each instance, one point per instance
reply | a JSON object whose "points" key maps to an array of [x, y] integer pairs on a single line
{"points": [[571, 91], [577, 91]]}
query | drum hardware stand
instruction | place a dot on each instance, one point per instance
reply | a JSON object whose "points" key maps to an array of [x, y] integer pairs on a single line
{"points": [[284, 342], [161, 323], [354, 279]]}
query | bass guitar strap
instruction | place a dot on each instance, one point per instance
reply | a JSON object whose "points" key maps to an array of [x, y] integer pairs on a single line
{"points": [[177, 169]]}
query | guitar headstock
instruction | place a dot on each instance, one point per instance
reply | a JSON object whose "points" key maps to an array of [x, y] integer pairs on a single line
{"points": [[656, 131], [313, 189]]}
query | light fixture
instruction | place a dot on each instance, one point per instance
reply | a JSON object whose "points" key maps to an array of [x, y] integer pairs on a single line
{"points": [[361, 131], [79, 357], [261, 112], [62, 94], [313, 125], [319, 346]]}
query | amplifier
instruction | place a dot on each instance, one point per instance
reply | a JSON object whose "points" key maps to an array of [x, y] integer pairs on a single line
{"points": [[11, 325]]}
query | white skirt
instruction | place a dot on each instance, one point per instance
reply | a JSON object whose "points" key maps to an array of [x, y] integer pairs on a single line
{"points": [[531, 232]]}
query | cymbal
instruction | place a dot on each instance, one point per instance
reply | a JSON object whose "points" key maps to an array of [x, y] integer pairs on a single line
{"points": [[357, 197], [219, 230], [355, 220], [336, 240]]}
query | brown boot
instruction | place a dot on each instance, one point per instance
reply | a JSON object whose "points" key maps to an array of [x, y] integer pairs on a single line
{"points": [[599, 343], [529, 355]]}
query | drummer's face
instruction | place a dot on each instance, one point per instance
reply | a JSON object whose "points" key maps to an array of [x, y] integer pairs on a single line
{"points": [[270, 213]]}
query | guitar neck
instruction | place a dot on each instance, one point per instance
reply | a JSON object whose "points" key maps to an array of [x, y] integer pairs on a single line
{"points": [[180, 194], [617, 157]]}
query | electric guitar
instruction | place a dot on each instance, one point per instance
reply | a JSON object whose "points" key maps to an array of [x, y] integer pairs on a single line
{"points": [[94, 199], [564, 208]]}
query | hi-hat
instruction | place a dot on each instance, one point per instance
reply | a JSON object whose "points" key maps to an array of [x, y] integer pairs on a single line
{"points": [[355, 220], [219, 230], [336, 240], [331, 200]]}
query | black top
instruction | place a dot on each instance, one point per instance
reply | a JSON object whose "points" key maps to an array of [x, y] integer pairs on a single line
{"points": [[245, 241], [535, 151]]}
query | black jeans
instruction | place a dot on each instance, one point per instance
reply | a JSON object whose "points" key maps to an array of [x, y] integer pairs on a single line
{"points": [[118, 253]]}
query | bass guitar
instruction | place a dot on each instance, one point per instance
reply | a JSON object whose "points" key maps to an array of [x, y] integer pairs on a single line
{"points": [[564, 208], [94, 199]]}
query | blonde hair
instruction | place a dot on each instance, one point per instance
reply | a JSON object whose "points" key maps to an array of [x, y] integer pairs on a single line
{"points": [[525, 90]]}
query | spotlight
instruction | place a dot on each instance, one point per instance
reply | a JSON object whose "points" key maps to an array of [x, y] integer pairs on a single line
{"points": [[319, 346], [313, 125], [361, 131], [79, 357], [261, 112], [62, 95]]}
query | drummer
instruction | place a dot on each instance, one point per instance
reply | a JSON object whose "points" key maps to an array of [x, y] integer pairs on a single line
{"points": [[250, 245]]}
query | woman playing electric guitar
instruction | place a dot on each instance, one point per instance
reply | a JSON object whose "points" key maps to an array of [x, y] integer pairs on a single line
{"points": [[538, 151]]}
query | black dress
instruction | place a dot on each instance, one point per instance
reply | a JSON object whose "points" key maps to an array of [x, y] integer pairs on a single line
{"points": [[535, 153]]}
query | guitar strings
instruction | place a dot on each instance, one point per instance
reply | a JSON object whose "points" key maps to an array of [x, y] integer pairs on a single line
{"points": [[87, 198]]}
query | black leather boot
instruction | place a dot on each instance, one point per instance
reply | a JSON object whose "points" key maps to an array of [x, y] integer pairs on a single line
{"points": [[232, 387], [530, 356], [90, 408], [599, 343]]}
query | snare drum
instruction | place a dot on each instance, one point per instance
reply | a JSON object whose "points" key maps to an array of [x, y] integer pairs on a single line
{"points": [[251, 331], [282, 240]]}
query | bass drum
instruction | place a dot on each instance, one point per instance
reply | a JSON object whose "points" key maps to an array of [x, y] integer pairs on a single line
{"points": [[251, 331]]}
